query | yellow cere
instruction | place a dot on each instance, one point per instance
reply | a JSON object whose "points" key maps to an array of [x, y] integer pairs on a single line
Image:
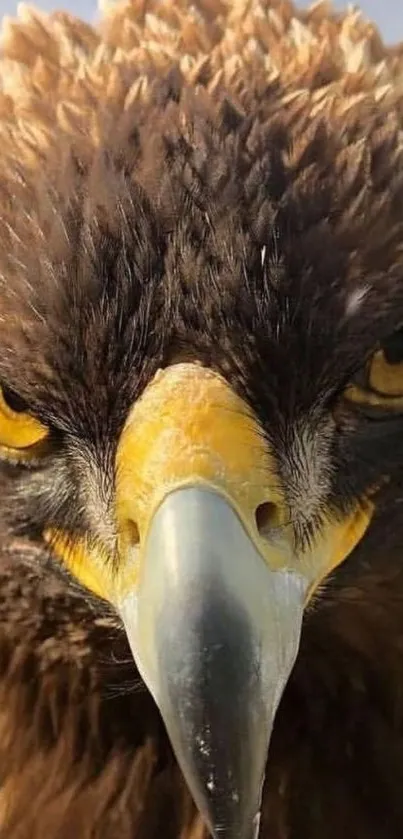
{"points": [[18, 430], [190, 428]]}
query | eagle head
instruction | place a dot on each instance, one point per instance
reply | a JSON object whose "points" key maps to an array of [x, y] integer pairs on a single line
{"points": [[201, 357]]}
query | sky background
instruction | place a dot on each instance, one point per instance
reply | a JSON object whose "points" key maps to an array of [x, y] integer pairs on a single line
{"points": [[388, 14]]}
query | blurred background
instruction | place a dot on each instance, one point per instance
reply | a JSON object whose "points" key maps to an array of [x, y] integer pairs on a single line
{"points": [[388, 14]]}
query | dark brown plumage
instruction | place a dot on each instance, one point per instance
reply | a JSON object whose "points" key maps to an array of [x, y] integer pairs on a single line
{"points": [[223, 185]]}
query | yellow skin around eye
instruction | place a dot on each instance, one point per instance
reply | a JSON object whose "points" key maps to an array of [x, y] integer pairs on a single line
{"points": [[18, 430], [385, 385]]}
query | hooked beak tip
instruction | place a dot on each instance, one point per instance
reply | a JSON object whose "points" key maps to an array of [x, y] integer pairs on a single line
{"points": [[215, 634]]}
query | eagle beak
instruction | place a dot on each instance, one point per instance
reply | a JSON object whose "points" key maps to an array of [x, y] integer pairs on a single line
{"points": [[214, 634], [211, 591]]}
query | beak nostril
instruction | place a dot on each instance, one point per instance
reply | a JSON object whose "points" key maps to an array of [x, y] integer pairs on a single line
{"points": [[133, 533], [266, 517]]}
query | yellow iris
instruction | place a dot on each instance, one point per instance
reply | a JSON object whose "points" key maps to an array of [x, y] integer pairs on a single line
{"points": [[383, 384], [18, 430]]}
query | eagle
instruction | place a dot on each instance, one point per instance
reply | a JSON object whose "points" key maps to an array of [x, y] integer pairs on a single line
{"points": [[201, 423]]}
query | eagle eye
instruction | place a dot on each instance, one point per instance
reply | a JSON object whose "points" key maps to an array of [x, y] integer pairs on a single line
{"points": [[393, 347], [18, 429], [380, 382]]}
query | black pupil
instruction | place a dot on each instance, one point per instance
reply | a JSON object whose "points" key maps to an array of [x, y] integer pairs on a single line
{"points": [[393, 347], [13, 401]]}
